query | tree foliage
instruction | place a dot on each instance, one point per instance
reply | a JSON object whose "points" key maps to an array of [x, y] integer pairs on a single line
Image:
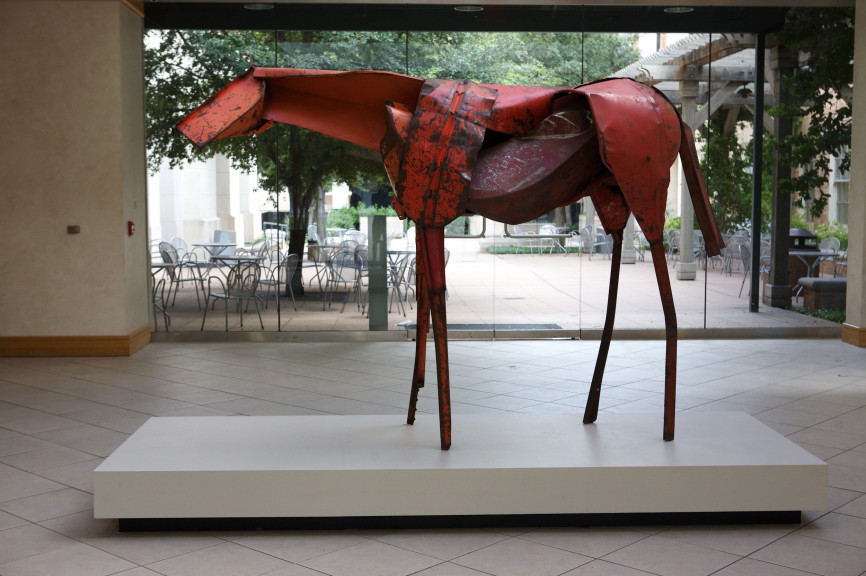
{"points": [[820, 99], [725, 167]]}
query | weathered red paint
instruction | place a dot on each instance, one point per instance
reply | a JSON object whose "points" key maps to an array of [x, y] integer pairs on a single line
{"points": [[510, 153], [438, 158]]}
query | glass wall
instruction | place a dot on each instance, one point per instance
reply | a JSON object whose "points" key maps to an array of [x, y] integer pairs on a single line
{"points": [[289, 191]]}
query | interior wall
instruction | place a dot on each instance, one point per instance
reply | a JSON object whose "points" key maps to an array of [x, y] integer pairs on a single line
{"points": [[72, 155]]}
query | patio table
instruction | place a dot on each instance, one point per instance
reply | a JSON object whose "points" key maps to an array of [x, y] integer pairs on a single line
{"points": [[215, 248], [814, 255]]}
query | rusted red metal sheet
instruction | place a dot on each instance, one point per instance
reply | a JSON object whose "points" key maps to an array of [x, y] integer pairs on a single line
{"points": [[236, 110], [446, 133]]}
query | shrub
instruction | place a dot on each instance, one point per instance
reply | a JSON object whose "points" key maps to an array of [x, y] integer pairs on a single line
{"points": [[350, 217], [827, 229], [343, 218]]}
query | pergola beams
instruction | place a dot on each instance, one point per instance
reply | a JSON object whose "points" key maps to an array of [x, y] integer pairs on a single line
{"points": [[723, 65], [655, 73]]}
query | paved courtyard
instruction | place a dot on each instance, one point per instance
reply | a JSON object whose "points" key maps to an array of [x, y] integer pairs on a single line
{"points": [[526, 292]]}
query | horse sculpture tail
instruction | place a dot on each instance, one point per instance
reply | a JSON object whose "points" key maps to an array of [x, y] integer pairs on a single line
{"points": [[698, 192]]}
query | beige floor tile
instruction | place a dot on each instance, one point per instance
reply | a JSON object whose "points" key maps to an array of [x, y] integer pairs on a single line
{"points": [[11, 521], [821, 452], [855, 508], [74, 560], [593, 542], [750, 567], [853, 422], [140, 548], [226, 559], [815, 556], [373, 558], [50, 457], [603, 568], [117, 419], [829, 438], [13, 443], [442, 544], [34, 421], [78, 475], [294, 570], [15, 484], [848, 478], [840, 528], [50, 504], [669, 557], [449, 569], [31, 540], [299, 546], [86, 438], [850, 458], [140, 571], [517, 557], [740, 540], [836, 498]]}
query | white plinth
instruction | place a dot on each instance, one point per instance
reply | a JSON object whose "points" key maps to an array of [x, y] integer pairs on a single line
{"points": [[508, 464]]}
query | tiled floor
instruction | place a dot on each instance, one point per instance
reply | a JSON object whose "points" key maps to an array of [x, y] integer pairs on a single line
{"points": [[60, 417]]}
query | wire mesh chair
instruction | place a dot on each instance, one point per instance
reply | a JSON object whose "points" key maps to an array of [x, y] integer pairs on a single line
{"points": [[594, 242], [279, 277], [344, 267], [240, 286], [175, 268], [746, 258], [158, 295]]}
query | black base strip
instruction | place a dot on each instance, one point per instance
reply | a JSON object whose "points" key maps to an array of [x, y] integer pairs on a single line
{"points": [[445, 522]]}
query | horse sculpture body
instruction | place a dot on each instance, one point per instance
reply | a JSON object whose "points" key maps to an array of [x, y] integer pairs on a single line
{"points": [[509, 153]]}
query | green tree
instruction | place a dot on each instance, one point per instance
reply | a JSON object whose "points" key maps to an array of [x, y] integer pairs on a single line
{"points": [[725, 168], [820, 102], [522, 58]]}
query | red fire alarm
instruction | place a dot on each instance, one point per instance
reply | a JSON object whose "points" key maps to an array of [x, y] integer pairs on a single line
{"points": [[130, 227]]}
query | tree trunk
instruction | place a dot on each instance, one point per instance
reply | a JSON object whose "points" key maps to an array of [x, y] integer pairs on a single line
{"points": [[300, 206], [559, 217], [297, 237], [320, 218]]}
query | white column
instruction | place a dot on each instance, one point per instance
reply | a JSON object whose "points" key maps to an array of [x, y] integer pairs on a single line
{"points": [[686, 268], [629, 256]]}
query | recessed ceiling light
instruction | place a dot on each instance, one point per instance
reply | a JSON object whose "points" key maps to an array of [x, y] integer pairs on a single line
{"points": [[469, 8], [259, 6], [679, 9]]}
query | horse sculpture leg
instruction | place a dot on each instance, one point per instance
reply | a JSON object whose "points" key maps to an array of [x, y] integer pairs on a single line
{"points": [[433, 254], [660, 264], [423, 325], [591, 412]]}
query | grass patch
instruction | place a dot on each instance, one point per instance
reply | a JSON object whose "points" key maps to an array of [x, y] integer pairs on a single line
{"points": [[833, 314]]}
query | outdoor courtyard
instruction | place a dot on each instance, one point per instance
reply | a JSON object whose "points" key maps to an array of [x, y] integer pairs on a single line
{"points": [[548, 295]]}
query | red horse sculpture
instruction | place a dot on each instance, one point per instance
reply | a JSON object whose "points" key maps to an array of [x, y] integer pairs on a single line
{"points": [[510, 153]]}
